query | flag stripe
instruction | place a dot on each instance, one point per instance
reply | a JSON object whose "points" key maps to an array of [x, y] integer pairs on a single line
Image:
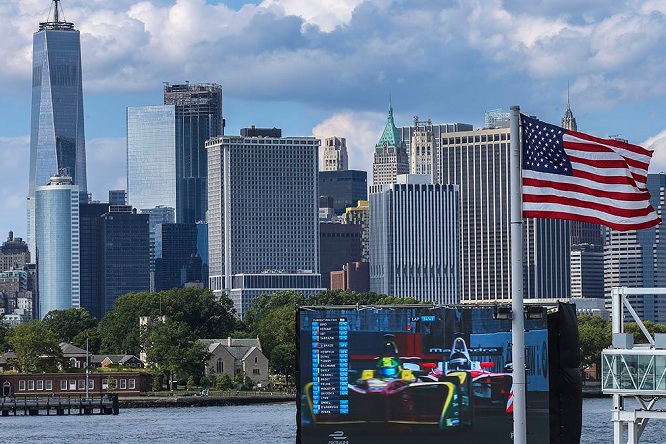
{"points": [[576, 176], [616, 224]]}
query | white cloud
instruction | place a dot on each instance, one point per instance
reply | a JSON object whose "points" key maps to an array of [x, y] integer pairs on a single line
{"points": [[327, 15], [106, 166], [362, 131], [658, 145]]}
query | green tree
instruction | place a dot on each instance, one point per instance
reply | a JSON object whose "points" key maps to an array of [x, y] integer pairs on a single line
{"points": [[243, 381], [223, 382], [67, 324], [639, 337], [37, 349], [173, 348], [111, 384], [205, 315], [594, 335], [283, 360], [4, 345], [189, 385]]}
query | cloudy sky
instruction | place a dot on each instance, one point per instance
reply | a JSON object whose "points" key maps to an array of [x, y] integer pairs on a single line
{"points": [[328, 67]]}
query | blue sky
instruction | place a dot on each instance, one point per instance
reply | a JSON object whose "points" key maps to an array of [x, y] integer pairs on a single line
{"points": [[325, 68]]}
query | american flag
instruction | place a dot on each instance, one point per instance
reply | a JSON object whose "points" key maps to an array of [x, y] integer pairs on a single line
{"points": [[575, 176]]}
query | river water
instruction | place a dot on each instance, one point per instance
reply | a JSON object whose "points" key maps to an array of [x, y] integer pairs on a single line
{"points": [[255, 424]]}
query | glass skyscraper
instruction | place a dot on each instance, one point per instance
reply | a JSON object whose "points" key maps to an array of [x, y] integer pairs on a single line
{"points": [[198, 110], [56, 138], [151, 157], [58, 260]]}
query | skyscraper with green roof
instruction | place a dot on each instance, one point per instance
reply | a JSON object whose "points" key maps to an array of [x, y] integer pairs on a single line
{"points": [[390, 154]]}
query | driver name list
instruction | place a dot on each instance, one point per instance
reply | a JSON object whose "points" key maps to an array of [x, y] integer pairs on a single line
{"points": [[330, 366]]}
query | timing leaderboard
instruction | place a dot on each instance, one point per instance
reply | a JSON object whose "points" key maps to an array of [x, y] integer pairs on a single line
{"points": [[330, 366]]}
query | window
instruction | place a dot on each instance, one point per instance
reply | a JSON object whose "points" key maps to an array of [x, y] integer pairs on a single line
{"points": [[40, 385], [105, 384], [21, 386], [63, 384], [255, 371], [123, 383], [219, 367], [49, 385], [255, 359], [132, 384], [82, 384], [72, 384], [91, 384], [31, 385]]}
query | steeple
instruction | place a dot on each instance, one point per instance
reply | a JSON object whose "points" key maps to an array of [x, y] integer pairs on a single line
{"points": [[391, 135], [569, 121]]}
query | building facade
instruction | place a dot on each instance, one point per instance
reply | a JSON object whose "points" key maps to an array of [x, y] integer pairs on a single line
{"points": [[587, 271], [424, 158], [57, 140], [414, 240], [390, 156], [198, 114], [478, 161], [346, 188], [338, 245], [177, 260], [335, 154], [57, 245], [360, 215], [263, 226], [151, 157], [638, 258]]}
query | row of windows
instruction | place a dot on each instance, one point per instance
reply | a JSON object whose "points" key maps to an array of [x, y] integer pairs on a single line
{"points": [[72, 384]]}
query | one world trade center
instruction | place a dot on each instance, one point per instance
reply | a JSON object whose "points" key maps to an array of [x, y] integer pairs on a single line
{"points": [[57, 144]]}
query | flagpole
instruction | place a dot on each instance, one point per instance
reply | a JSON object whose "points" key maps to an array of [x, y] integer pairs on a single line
{"points": [[518, 317]]}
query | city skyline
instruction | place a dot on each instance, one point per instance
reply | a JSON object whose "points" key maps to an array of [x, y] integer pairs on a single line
{"points": [[309, 70]]}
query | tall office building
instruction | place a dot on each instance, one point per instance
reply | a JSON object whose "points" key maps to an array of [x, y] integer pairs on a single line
{"points": [[198, 111], [390, 157], [335, 154], [414, 240], [346, 188], [57, 141], [114, 255], [587, 271], [424, 158], [151, 157], [14, 253], [339, 245], [57, 244], [263, 226], [478, 161], [360, 215], [177, 260], [638, 258], [125, 258]]}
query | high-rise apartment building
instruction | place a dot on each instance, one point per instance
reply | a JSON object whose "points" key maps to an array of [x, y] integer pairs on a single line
{"points": [[335, 154], [414, 240], [198, 113], [390, 157], [57, 143], [478, 161], [57, 244], [263, 226], [151, 157]]}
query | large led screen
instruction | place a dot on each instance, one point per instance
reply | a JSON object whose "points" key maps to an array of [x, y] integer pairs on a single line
{"points": [[415, 374]]}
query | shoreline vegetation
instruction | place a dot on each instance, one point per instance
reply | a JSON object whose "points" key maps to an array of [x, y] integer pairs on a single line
{"points": [[176, 399]]}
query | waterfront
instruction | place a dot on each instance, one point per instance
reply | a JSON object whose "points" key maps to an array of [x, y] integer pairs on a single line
{"points": [[266, 423]]}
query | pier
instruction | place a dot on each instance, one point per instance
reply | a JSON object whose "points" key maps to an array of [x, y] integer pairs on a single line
{"points": [[59, 405]]}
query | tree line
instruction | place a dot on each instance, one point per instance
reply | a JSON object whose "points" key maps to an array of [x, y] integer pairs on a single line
{"points": [[189, 314]]}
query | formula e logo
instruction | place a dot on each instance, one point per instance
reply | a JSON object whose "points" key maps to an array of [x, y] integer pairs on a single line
{"points": [[338, 437]]}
